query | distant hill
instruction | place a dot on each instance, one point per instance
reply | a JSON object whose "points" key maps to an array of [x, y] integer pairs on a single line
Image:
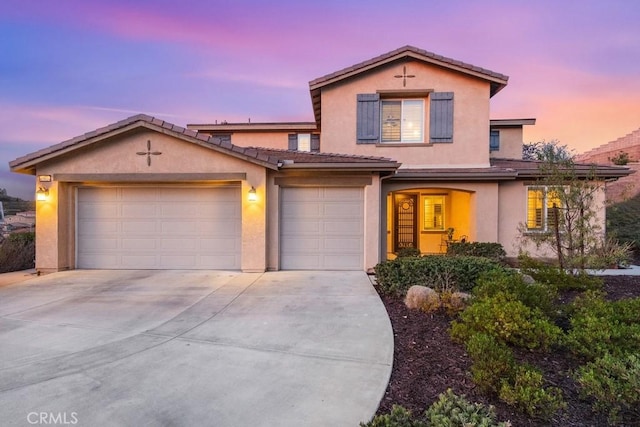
{"points": [[13, 205]]}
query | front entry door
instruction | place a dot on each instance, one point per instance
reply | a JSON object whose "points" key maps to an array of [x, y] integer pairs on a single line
{"points": [[405, 219]]}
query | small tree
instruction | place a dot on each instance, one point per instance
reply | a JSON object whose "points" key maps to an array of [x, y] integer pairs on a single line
{"points": [[572, 228]]}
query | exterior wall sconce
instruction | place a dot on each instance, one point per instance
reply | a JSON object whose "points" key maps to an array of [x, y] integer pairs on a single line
{"points": [[42, 194], [253, 197]]}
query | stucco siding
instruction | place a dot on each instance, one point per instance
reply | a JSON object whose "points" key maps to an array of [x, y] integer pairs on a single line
{"points": [[471, 116]]}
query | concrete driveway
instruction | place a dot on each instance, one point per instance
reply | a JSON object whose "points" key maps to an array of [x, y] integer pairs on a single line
{"points": [[185, 348]]}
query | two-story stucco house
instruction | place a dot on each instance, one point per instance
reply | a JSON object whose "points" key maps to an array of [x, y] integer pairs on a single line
{"points": [[402, 149]]}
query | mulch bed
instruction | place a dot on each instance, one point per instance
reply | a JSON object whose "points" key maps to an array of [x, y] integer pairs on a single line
{"points": [[426, 363]]}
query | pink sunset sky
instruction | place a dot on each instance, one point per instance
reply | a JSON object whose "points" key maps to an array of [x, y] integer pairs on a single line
{"points": [[68, 67]]}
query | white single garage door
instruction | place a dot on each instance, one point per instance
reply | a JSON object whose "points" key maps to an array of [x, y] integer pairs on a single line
{"points": [[159, 228], [322, 228]]}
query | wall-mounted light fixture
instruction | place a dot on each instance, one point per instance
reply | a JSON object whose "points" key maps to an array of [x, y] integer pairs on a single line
{"points": [[252, 194], [42, 194]]}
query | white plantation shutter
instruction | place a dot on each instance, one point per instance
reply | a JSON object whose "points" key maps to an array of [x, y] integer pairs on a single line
{"points": [[412, 115]]}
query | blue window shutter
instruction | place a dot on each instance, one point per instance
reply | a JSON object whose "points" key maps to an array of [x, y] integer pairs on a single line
{"points": [[441, 117], [315, 142], [368, 120], [494, 140], [293, 141]]}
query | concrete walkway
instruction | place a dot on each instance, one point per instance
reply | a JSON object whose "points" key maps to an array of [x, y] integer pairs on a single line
{"points": [[185, 348]]}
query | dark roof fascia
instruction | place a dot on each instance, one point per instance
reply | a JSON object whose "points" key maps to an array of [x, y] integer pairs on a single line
{"points": [[454, 175], [582, 170], [26, 164], [255, 127], [511, 122], [497, 80], [342, 166]]}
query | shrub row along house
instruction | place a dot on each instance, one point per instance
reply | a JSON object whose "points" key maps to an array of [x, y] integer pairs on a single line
{"points": [[401, 153]]}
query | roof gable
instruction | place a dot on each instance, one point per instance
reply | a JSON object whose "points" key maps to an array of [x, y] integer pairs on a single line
{"points": [[27, 164], [496, 80]]}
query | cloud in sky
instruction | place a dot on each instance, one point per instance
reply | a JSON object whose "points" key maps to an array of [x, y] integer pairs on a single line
{"points": [[69, 67]]}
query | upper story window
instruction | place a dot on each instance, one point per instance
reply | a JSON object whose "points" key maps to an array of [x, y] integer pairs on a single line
{"points": [[494, 140], [402, 121], [304, 142]]}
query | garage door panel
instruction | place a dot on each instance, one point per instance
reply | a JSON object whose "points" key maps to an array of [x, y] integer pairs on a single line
{"points": [[138, 244], [159, 228], [139, 227], [343, 245], [173, 244], [342, 210], [99, 227], [322, 228], [97, 210], [138, 210], [349, 227]]}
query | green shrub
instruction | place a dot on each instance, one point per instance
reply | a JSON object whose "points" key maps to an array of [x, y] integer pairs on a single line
{"points": [[492, 360], [537, 295], [408, 252], [526, 392], [398, 417], [600, 327], [558, 278], [614, 384], [508, 320], [17, 252], [493, 251], [398, 275], [451, 410]]}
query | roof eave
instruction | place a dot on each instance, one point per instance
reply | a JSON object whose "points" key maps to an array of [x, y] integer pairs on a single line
{"points": [[382, 166]]}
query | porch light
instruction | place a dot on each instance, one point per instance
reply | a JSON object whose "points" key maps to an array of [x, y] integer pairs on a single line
{"points": [[42, 194], [253, 197]]}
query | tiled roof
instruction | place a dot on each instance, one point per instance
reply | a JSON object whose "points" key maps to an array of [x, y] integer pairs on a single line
{"points": [[531, 168], [272, 159], [417, 53], [497, 80], [293, 157]]}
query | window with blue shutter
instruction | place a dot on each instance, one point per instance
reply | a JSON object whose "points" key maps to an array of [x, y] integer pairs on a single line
{"points": [[494, 140], [368, 118], [304, 142], [441, 117]]}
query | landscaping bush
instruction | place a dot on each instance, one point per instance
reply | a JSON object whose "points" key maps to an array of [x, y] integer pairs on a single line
{"points": [[451, 410], [398, 275], [493, 251], [492, 361], [398, 417], [526, 392], [408, 252], [535, 296], [614, 384], [506, 318], [560, 279], [600, 327], [17, 252]]}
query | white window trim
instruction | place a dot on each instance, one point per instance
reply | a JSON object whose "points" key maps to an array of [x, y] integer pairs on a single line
{"points": [[422, 120]]}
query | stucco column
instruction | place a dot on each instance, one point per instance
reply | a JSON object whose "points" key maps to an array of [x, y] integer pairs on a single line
{"points": [[47, 230], [254, 223], [372, 215]]}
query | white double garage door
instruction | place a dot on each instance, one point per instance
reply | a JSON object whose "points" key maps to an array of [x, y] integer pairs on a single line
{"points": [[201, 228]]}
